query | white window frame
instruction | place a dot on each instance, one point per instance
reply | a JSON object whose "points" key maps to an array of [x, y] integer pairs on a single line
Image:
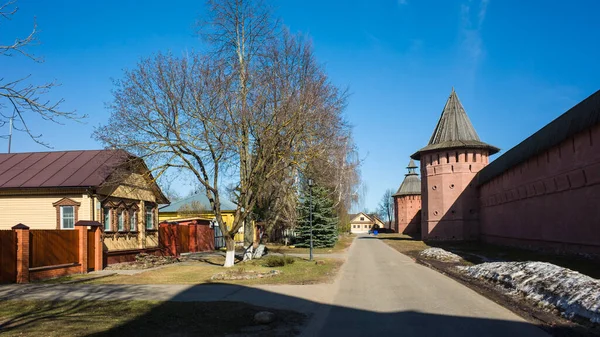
{"points": [[133, 220], [62, 218], [121, 221], [149, 211], [107, 212]]}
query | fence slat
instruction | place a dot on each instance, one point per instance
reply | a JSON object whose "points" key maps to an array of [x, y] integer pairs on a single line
{"points": [[184, 239], [8, 256], [53, 247]]}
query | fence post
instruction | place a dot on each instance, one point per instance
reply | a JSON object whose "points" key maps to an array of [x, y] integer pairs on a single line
{"points": [[22, 253], [99, 259], [83, 245]]}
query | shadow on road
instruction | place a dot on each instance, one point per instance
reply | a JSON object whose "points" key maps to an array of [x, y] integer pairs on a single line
{"points": [[168, 318]]}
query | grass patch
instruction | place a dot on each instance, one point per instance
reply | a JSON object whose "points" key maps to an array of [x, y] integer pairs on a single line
{"points": [[477, 252], [137, 318], [278, 261], [301, 271], [404, 244], [63, 279], [344, 241]]}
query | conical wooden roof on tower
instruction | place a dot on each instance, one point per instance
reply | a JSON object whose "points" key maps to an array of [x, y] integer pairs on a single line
{"points": [[454, 131], [411, 184]]}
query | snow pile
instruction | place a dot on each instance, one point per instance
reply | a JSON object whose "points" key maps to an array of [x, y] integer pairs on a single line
{"points": [[546, 285], [439, 254]]}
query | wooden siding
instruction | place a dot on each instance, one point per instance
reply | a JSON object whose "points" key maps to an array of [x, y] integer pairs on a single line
{"points": [[37, 212], [121, 242]]}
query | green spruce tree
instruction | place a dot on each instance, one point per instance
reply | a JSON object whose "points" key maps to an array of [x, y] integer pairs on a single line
{"points": [[324, 219]]}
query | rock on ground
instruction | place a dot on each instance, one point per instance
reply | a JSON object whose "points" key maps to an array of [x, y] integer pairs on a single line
{"points": [[264, 317], [439, 254], [549, 286]]}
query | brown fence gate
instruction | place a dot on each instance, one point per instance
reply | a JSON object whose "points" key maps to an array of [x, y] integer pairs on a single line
{"points": [[8, 256]]}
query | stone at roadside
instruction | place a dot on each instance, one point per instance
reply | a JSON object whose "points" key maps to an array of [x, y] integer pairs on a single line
{"points": [[264, 317], [439, 254]]}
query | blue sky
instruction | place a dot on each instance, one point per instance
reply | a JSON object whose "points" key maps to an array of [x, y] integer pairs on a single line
{"points": [[515, 65]]}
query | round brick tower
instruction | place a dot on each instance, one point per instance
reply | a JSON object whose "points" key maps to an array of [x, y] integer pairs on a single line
{"points": [[454, 155], [407, 203]]}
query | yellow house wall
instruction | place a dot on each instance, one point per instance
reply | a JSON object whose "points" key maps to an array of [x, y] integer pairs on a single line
{"points": [[121, 243], [37, 212], [151, 240]]}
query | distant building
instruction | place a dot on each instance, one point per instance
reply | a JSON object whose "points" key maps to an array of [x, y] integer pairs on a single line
{"points": [[362, 223]]}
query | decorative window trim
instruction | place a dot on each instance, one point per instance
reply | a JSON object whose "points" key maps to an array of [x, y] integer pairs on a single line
{"points": [[65, 202]]}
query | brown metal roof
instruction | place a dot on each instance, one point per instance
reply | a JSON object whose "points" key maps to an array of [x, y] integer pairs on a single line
{"points": [[454, 130], [89, 168]]}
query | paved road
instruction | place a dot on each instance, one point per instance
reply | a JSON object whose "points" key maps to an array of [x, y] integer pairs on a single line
{"points": [[384, 293], [379, 292]]}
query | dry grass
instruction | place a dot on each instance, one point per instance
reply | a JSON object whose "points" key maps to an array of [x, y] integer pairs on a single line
{"points": [[404, 244], [341, 245], [136, 318], [301, 271], [476, 252]]}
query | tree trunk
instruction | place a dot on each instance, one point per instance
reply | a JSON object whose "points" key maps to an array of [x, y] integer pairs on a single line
{"points": [[230, 255]]}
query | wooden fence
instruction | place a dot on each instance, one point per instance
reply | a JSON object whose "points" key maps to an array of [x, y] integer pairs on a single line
{"points": [[28, 255], [53, 247], [8, 256], [179, 237]]}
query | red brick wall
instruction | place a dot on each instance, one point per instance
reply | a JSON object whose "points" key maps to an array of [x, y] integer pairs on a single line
{"points": [[450, 204], [550, 201], [408, 217]]}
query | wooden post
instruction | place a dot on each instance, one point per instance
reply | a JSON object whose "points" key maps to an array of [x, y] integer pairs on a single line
{"points": [[22, 232], [83, 245], [96, 227], [99, 259]]}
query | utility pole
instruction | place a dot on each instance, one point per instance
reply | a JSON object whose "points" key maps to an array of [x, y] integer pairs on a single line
{"points": [[310, 184], [10, 132]]}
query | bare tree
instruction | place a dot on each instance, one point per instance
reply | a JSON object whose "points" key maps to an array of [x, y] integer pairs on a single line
{"points": [[194, 208], [386, 207], [21, 100], [253, 106]]}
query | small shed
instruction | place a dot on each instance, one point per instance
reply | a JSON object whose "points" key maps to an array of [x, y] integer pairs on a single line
{"points": [[186, 236]]}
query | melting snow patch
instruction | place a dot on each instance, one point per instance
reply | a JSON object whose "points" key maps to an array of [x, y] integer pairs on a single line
{"points": [[546, 285], [439, 254]]}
